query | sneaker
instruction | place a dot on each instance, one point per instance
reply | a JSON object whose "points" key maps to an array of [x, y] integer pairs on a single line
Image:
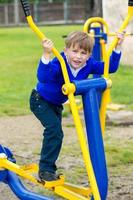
{"points": [[47, 176]]}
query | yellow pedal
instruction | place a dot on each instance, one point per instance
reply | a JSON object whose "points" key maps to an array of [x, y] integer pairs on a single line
{"points": [[52, 184]]}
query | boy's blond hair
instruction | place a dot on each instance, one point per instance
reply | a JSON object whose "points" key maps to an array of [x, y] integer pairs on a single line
{"points": [[82, 39]]}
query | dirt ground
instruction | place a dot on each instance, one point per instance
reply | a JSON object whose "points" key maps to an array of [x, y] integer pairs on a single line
{"points": [[22, 135]]}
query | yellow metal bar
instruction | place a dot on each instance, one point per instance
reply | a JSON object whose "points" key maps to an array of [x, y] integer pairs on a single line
{"points": [[67, 194], [104, 102], [95, 19], [124, 25], [84, 147], [130, 10], [105, 96], [55, 52], [104, 55], [31, 168], [85, 191], [69, 89], [114, 34], [4, 163]]}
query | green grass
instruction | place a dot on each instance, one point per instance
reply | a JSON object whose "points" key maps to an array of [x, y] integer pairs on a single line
{"points": [[119, 151], [20, 51], [122, 90], [119, 155]]}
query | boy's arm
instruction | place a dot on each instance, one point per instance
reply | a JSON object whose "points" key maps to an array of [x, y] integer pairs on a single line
{"points": [[47, 69], [121, 37], [47, 48], [114, 61], [116, 54], [97, 67]]}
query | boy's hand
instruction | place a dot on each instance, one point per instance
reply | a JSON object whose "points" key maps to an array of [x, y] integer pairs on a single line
{"points": [[120, 37], [47, 46]]}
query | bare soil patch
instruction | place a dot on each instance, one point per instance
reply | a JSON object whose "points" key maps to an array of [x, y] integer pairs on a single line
{"points": [[23, 135]]}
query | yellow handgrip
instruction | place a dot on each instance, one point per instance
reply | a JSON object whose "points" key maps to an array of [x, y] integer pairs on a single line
{"points": [[95, 19], [130, 10], [124, 25], [55, 52]]}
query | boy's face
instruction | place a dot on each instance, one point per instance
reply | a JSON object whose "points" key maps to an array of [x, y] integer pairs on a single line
{"points": [[76, 56]]}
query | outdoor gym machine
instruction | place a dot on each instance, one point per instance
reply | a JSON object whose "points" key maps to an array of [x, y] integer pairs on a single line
{"points": [[106, 56], [93, 152]]}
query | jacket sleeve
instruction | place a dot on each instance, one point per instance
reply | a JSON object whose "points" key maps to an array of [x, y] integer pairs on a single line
{"points": [[114, 62], [97, 67], [48, 72]]}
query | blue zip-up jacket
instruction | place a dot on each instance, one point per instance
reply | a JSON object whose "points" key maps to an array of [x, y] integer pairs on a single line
{"points": [[50, 77]]}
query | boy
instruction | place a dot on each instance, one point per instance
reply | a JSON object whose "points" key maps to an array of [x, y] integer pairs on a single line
{"points": [[47, 98]]}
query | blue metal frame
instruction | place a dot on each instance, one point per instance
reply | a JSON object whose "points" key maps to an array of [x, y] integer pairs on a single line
{"points": [[15, 183], [99, 34], [88, 89]]}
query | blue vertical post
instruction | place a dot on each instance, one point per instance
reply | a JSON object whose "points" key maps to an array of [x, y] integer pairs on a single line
{"points": [[88, 89], [95, 141], [97, 51], [97, 48], [99, 34]]}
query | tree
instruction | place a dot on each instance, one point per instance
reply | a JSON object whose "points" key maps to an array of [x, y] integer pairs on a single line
{"points": [[93, 8]]}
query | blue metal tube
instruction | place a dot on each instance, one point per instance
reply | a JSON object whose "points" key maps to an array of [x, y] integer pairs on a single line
{"points": [[84, 86], [97, 53], [95, 141], [2, 149], [97, 47], [20, 191], [3, 175]]}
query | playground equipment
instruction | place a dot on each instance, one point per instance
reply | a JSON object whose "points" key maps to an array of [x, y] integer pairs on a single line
{"points": [[92, 150], [106, 56], [101, 34]]}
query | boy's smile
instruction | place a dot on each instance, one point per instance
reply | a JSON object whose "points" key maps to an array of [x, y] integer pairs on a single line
{"points": [[76, 56]]}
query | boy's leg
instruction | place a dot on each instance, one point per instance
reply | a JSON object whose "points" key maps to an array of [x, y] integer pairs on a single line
{"points": [[50, 117], [52, 141]]}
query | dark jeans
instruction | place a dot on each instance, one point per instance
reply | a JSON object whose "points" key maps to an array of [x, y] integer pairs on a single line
{"points": [[50, 116]]}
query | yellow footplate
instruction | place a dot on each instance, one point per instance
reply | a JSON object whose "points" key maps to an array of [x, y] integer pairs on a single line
{"points": [[52, 184], [33, 168]]}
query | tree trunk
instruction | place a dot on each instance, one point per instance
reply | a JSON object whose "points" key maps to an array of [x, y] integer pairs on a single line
{"points": [[97, 10], [93, 8]]}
